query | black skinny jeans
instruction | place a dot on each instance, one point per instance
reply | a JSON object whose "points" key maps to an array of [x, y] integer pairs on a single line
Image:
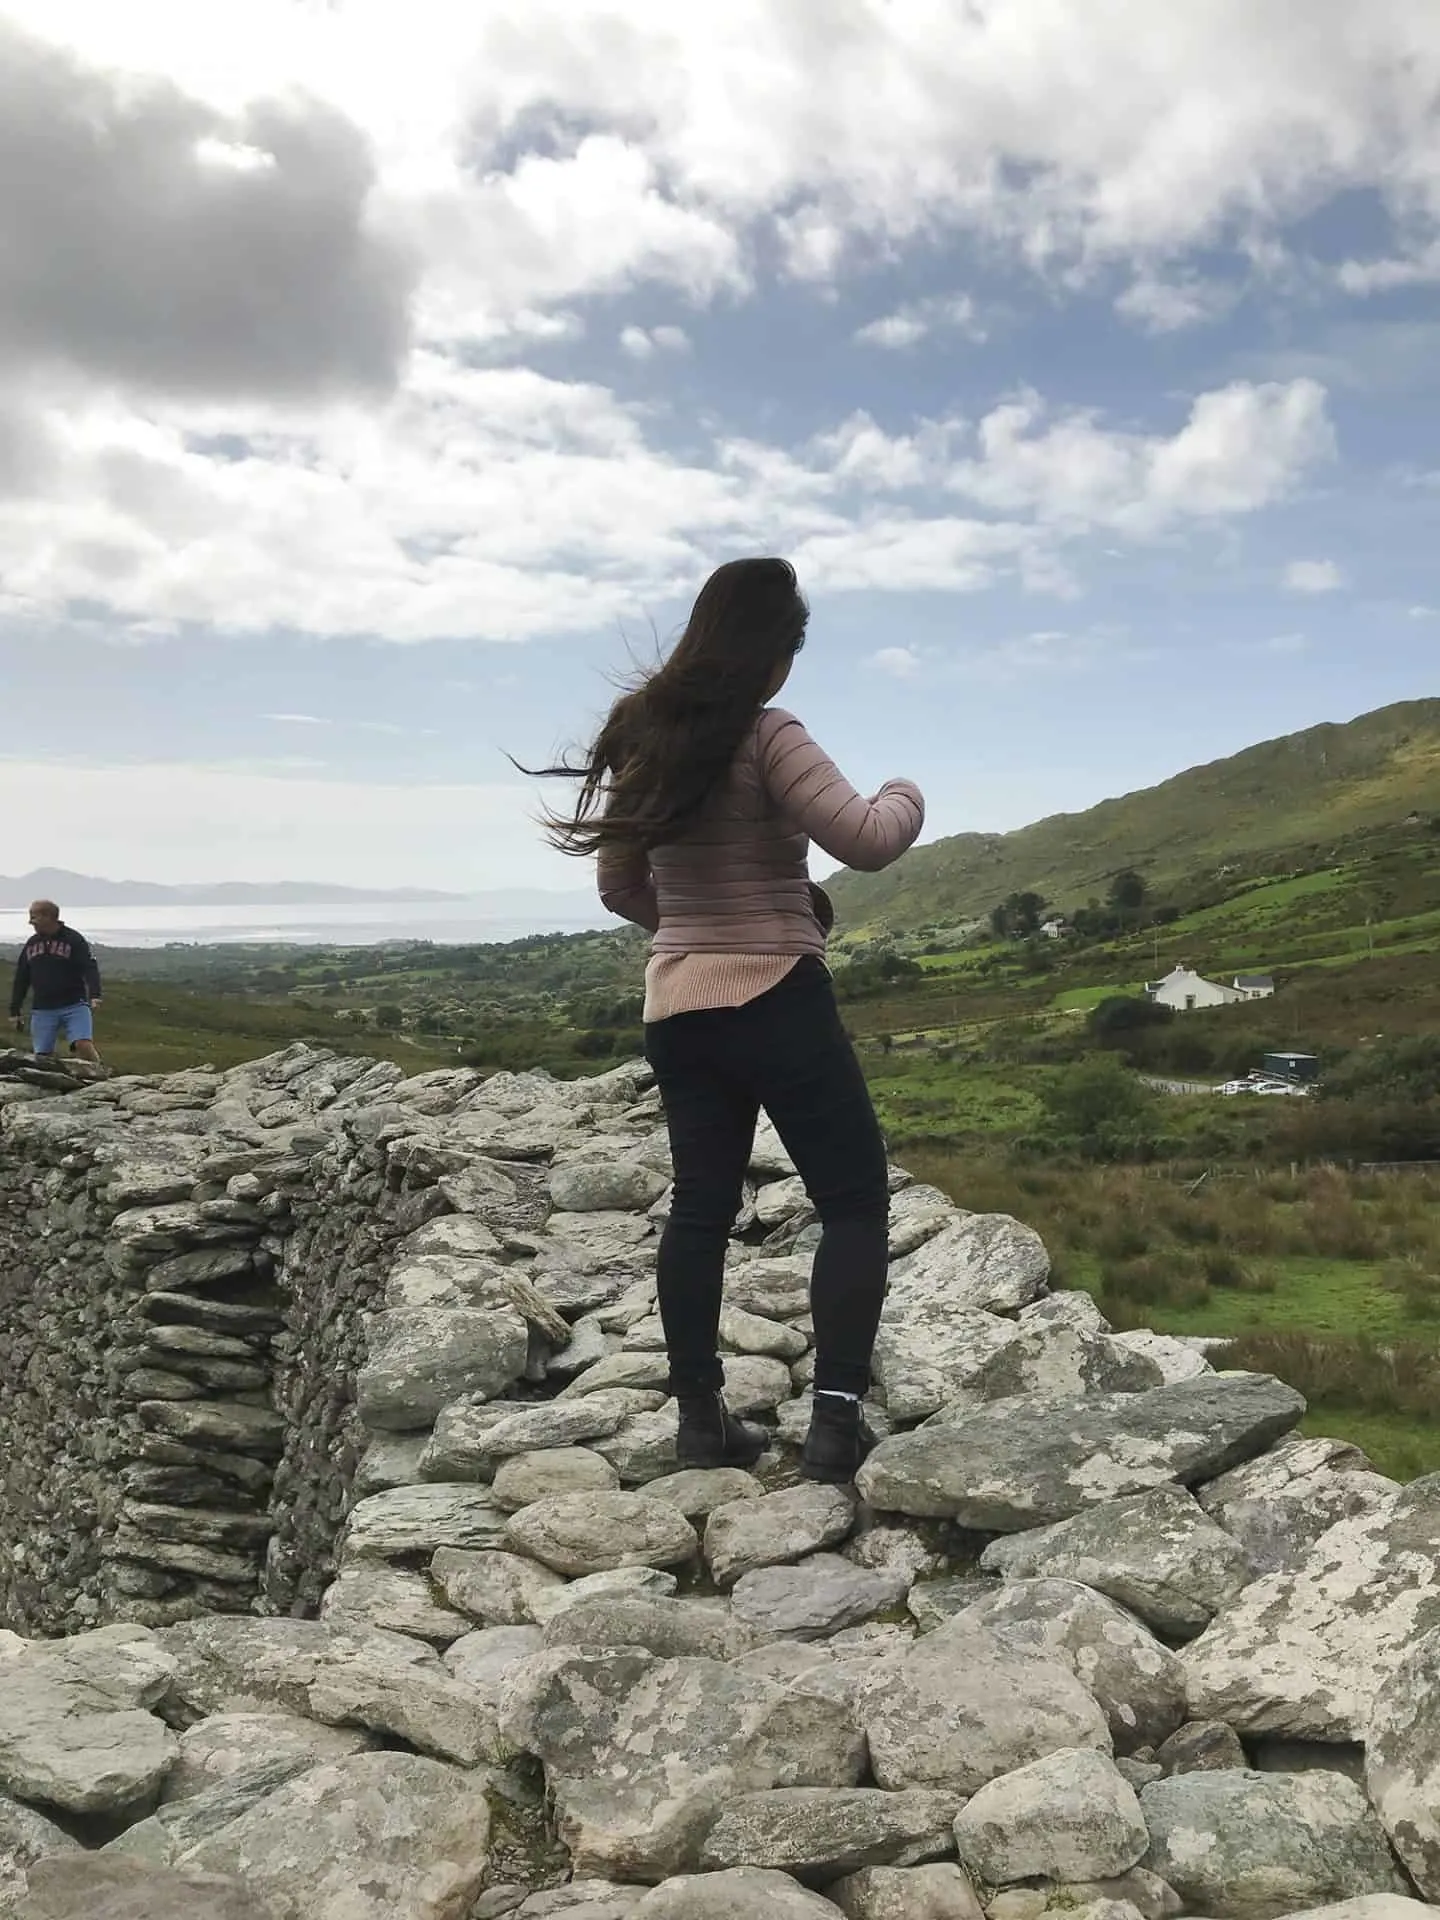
{"points": [[788, 1053]]}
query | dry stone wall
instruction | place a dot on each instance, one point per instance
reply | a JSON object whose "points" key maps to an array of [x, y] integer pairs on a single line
{"points": [[348, 1570]]}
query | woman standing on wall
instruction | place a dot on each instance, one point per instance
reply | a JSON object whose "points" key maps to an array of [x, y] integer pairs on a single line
{"points": [[700, 800]]}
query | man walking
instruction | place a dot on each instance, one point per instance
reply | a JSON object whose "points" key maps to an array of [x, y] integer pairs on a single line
{"points": [[58, 968]]}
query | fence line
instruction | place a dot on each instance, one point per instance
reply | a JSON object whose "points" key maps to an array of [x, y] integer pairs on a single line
{"points": [[1262, 1170]]}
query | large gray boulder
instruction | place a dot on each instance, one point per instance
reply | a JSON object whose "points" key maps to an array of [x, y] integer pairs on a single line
{"points": [[527, 1477], [606, 1186], [471, 1439], [1062, 1362], [960, 1708], [1370, 1906], [484, 1664], [670, 1629], [1068, 1817], [642, 1755], [393, 1599], [413, 1522], [445, 1280], [1156, 1553], [742, 1893], [643, 1449], [697, 1491], [1252, 1846], [776, 1530], [75, 1730], [940, 1324], [583, 1533], [422, 1706], [917, 1214], [743, 1332], [499, 1589], [1279, 1505], [232, 1663], [178, 1826], [25, 1837], [922, 1365], [1402, 1759], [1138, 1683], [217, 1748], [644, 1583], [1302, 1655], [979, 1262], [384, 1682], [1022, 1463], [625, 1372], [423, 1357], [368, 1838], [941, 1891], [819, 1832], [818, 1597], [108, 1887]]}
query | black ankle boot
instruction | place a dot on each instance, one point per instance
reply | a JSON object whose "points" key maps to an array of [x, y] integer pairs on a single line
{"points": [[838, 1441], [711, 1436]]}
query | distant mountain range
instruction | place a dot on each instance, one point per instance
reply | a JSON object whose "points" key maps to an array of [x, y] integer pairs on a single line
{"points": [[80, 890], [1288, 797]]}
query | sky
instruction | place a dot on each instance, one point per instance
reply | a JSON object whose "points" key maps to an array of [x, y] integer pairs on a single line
{"points": [[377, 382]]}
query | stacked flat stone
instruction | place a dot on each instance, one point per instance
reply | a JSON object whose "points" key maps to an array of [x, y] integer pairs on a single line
{"points": [[336, 1453]]}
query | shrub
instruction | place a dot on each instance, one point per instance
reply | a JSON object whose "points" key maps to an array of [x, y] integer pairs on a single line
{"points": [[1152, 1282], [1122, 1021], [1342, 1372], [1097, 1108], [1417, 1286]]}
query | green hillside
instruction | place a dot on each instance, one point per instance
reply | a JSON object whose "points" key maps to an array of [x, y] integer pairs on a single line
{"points": [[1286, 801]]}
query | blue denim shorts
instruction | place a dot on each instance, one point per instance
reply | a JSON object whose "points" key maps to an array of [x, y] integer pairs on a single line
{"points": [[48, 1023]]}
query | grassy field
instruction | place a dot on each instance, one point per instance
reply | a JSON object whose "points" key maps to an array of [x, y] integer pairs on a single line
{"points": [[153, 1028]]}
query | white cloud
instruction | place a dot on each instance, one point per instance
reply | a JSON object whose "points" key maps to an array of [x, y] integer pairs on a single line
{"points": [[154, 240], [515, 162], [497, 503], [1287, 643], [813, 244], [1415, 269], [911, 324], [199, 822], [1167, 306], [1425, 613], [901, 663], [1314, 576], [642, 342], [1127, 132], [1048, 654], [1242, 448], [296, 719]]}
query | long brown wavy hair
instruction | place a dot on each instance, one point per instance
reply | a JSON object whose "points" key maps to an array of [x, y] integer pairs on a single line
{"points": [[670, 738]]}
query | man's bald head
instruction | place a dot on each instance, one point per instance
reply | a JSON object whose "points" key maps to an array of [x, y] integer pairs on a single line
{"points": [[44, 916]]}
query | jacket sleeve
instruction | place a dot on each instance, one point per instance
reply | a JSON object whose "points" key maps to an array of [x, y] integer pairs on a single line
{"points": [[22, 984], [626, 887], [89, 966], [806, 784]]}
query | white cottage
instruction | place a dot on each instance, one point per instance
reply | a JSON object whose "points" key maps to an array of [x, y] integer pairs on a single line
{"points": [[1184, 989], [1254, 986]]}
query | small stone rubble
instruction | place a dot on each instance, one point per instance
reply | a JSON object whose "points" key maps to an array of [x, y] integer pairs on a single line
{"points": [[348, 1571]]}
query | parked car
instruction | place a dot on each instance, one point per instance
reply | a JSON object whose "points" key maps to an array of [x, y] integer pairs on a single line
{"points": [[1262, 1083]]}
